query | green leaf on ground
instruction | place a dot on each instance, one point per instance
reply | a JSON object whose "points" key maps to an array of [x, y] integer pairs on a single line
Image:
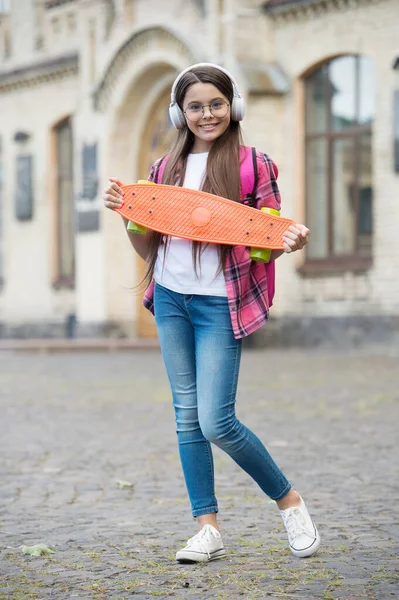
{"points": [[38, 550], [124, 484]]}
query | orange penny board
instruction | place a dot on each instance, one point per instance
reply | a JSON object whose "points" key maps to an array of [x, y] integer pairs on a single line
{"points": [[202, 217]]}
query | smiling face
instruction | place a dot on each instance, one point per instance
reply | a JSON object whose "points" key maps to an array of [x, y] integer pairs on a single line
{"points": [[209, 127]]}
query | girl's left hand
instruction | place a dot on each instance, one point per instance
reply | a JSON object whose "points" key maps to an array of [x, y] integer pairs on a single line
{"points": [[295, 238]]}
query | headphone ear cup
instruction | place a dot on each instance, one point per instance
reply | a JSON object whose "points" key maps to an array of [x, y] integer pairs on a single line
{"points": [[176, 116], [237, 108]]}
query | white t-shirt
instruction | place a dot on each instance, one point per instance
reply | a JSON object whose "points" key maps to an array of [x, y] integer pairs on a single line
{"points": [[175, 270]]}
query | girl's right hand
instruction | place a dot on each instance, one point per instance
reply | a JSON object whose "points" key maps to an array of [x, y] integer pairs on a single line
{"points": [[113, 195]]}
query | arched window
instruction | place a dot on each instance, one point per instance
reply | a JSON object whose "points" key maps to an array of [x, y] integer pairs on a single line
{"points": [[340, 109]]}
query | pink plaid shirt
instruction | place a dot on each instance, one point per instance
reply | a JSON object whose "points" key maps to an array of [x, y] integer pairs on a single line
{"points": [[246, 280]]}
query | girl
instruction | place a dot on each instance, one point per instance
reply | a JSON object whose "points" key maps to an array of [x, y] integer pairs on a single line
{"points": [[206, 298]]}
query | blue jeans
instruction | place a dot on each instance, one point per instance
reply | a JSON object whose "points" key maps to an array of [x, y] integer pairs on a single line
{"points": [[202, 359]]}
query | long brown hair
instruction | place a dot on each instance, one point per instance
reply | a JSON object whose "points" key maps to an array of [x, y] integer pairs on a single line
{"points": [[223, 164]]}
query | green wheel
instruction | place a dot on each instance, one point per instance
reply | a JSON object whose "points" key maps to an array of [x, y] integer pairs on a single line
{"points": [[136, 228], [133, 226], [271, 211], [261, 254]]}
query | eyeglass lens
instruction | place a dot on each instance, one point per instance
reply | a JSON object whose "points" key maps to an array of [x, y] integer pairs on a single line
{"points": [[218, 108]]}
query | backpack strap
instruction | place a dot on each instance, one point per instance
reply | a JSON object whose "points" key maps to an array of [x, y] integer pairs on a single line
{"points": [[256, 176], [249, 183], [248, 175]]}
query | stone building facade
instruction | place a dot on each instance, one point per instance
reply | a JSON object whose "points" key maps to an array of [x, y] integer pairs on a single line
{"points": [[84, 91]]}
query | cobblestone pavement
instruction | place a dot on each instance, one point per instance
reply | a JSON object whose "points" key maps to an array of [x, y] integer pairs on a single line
{"points": [[72, 425]]}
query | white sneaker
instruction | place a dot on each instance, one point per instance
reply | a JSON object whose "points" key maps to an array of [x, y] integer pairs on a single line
{"points": [[206, 545], [302, 533]]}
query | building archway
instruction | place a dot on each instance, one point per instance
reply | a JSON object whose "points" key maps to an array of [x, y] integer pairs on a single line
{"points": [[138, 132], [158, 135]]}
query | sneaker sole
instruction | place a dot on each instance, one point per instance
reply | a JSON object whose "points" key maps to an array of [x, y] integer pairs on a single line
{"points": [[195, 557], [309, 550]]}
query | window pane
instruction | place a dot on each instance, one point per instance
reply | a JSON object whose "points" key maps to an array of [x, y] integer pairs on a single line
{"points": [[316, 102], [317, 199], [4, 6], [343, 197], [366, 91], [342, 81], [67, 263], [66, 223], [365, 218], [396, 129]]}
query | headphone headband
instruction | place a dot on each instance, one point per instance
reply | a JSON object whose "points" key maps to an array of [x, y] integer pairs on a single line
{"points": [[233, 81]]}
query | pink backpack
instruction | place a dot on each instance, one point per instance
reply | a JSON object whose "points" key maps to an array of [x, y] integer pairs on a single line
{"points": [[249, 184]]}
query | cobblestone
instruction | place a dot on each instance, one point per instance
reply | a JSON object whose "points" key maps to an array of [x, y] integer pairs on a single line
{"points": [[74, 424]]}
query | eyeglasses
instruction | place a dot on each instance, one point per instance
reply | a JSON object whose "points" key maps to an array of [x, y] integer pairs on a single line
{"points": [[195, 111]]}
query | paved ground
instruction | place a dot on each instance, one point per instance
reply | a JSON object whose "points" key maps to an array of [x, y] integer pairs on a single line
{"points": [[72, 425]]}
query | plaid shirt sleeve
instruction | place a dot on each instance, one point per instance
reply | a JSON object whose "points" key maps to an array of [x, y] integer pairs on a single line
{"points": [[250, 284], [151, 176], [154, 169], [267, 193]]}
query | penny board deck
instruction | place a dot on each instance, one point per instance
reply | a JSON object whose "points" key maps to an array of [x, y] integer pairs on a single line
{"points": [[202, 217]]}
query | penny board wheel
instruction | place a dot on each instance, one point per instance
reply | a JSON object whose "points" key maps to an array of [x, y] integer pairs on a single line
{"points": [[262, 254], [133, 227]]}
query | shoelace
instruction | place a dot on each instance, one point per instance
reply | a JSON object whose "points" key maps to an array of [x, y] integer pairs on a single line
{"points": [[296, 524], [198, 539]]}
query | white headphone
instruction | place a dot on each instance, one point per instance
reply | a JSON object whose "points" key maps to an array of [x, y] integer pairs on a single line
{"points": [[237, 105]]}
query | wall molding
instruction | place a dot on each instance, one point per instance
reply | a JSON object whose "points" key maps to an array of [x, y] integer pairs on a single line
{"points": [[288, 10], [49, 4], [40, 73]]}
